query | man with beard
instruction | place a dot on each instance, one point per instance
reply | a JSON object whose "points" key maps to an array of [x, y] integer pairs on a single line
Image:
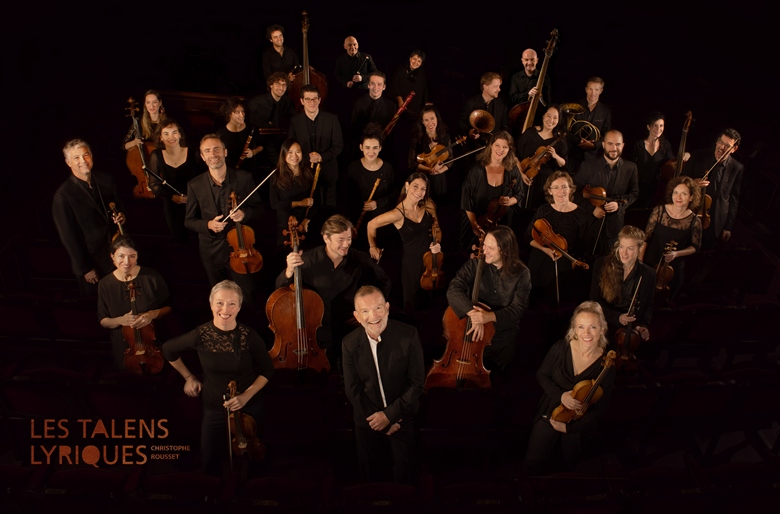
{"points": [[523, 86], [596, 113], [354, 67], [620, 180]]}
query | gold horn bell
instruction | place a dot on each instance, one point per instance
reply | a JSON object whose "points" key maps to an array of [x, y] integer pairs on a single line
{"points": [[482, 121]]}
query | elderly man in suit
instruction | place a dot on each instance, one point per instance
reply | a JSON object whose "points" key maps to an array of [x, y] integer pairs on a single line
{"points": [[383, 380]]}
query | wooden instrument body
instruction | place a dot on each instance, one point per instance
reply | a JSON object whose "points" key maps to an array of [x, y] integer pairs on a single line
{"points": [[531, 165], [544, 235], [135, 162], [244, 259], [664, 273], [243, 432], [433, 276], [495, 211], [437, 155], [704, 214], [142, 356], [307, 76], [598, 196], [580, 392], [673, 167]]}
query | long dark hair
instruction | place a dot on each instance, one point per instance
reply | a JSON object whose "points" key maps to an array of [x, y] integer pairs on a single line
{"points": [[652, 118], [170, 122], [611, 278], [414, 176], [509, 161], [420, 135], [557, 127], [284, 178], [511, 264]]}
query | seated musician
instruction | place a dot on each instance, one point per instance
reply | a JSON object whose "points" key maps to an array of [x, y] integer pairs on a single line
{"points": [[619, 179], [363, 174], [577, 357], [407, 78], [272, 109], [674, 220], [234, 134], [335, 272], [354, 67], [279, 58], [649, 154], [490, 178], [114, 310], [413, 218], [153, 113], [504, 288], [429, 131], [488, 100], [596, 113], [615, 280], [383, 380], [568, 220], [177, 164], [228, 350], [290, 191], [530, 142]]}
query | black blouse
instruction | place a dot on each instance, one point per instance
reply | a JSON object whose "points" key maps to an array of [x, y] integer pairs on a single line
{"points": [[475, 196], [177, 177], [529, 143], [361, 183], [612, 311], [649, 167], [234, 144]]}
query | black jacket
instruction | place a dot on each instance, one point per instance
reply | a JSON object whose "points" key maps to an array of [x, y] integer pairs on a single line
{"points": [[329, 140], [624, 185], [724, 192]]}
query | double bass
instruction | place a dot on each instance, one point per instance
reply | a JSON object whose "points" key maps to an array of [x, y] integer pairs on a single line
{"points": [[137, 156], [586, 392], [306, 75], [461, 365], [529, 108], [433, 276], [673, 167], [627, 339], [142, 356], [244, 259], [295, 344], [242, 431]]}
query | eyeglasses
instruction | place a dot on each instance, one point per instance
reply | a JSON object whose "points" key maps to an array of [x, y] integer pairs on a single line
{"points": [[311, 100], [556, 188]]}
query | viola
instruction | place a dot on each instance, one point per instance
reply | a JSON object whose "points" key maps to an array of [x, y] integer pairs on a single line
{"points": [[664, 273], [706, 200], [544, 234], [244, 259], [587, 392], [120, 226], [673, 167], [495, 211], [137, 156], [142, 356], [462, 365], [295, 344], [246, 147], [433, 276], [439, 153], [598, 196], [531, 165], [306, 75], [529, 108], [627, 338], [243, 431], [363, 214]]}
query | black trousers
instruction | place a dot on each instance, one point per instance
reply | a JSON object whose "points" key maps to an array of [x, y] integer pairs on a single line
{"points": [[174, 217], [541, 445], [327, 186], [104, 266], [372, 446], [214, 437]]}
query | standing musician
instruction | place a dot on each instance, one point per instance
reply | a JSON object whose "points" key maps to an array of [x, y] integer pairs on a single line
{"points": [[413, 218], [278, 58], [291, 189], [177, 164], [363, 174], [489, 178], [383, 380], [577, 357], [81, 212], [208, 206], [619, 180], [319, 134], [228, 350], [530, 142], [649, 154], [674, 220], [235, 133], [429, 131], [567, 220], [488, 100], [153, 114], [371, 108], [504, 288], [335, 272], [410, 77], [114, 309], [523, 85], [596, 113], [725, 181], [353, 67], [271, 109], [615, 279]]}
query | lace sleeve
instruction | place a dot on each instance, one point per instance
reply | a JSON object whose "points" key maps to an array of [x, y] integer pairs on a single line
{"points": [[655, 216], [129, 136], [696, 233]]}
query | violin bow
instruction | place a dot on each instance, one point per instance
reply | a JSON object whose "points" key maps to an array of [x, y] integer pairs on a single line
{"points": [[722, 158], [162, 180], [636, 292], [398, 113], [462, 156], [230, 442], [250, 194], [313, 187]]}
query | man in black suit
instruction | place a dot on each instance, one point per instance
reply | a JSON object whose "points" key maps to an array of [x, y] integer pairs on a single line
{"points": [[384, 377], [620, 179], [319, 134], [82, 215], [371, 108], [208, 202], [596, 113], [272, 109], [723, 185], [353, 67], [523, 86]]}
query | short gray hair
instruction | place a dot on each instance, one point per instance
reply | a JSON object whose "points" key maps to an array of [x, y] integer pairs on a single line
{"points": [[72, 144], [228, 285], [368, 291]]}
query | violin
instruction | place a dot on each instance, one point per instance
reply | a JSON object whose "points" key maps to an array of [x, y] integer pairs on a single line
{"points": [[439, 153], [142, 356], [587, 392], [462, 365], [244, 259], [627, 338], [295, 344], [433, 276], [543, 234], [246, 147], [531, 165], [495, 211], [137, 156], [598, 196], [673, 167], [243, 431], [706, 200], [664, 273], [306, 75], [120, 226], [363, 214]]}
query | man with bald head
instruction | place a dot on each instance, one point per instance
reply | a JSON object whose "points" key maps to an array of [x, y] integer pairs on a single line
{"points": [[620, 179], [523, 85], [354, 67]]}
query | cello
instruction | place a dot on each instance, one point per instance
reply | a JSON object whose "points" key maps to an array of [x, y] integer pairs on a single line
{"points": [[137, 156], [433, 277], [242, 431], [587, 392], [495, 211], [244, 259], [295, 345], [544, 235], [461, 365], [529, 108], [307, 76], [627, 339], [142, 356]]}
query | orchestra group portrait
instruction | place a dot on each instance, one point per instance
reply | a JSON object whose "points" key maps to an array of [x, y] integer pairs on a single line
{"points": [[330, 226]]}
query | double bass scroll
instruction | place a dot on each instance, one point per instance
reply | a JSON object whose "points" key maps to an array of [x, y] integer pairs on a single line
{"points": [[307, 76]]}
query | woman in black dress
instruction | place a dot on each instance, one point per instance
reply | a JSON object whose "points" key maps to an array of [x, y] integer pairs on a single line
{"points": [[413, 218], [114, 311], [427, 133], [490, 178], [410, 77], [153, 114], [235, 133], [567, 220], [576, 358], [649, 154], [530, 142], [177, 164], [228, 350], [291, 189], [674, 220]]}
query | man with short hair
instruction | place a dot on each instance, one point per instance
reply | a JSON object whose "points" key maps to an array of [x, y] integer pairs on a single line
{"points": [[272, 109], [371, 108], [384, 376], [82, 214], [353, 67], [487, 100], [596, 113], [279, 57], [523, 85]]}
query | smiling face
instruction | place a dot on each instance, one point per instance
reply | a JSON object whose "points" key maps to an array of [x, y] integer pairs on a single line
{"points": [[491, 90], [529, 62], [492, 251], [499, 150], [152, 104], [628, 251], [415, 62], [416, 189], [337, 245], [588, 330], [430, 121], [351, 46], [213, 153], [80, 162], [681, 196], [170, 136], [371, 311], [125, 259], [550, 119], [278, 89], [277, 38], [723, 144], [370, 149], [375, 87], [294, 156], [593, 91], [225, 305], [311, 103], [656, 129], [237, 117], [560, 190], [613, 145]]}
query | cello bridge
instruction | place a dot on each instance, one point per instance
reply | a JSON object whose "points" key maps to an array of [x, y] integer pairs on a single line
{"points": [[461, 361], [301, 352]]}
